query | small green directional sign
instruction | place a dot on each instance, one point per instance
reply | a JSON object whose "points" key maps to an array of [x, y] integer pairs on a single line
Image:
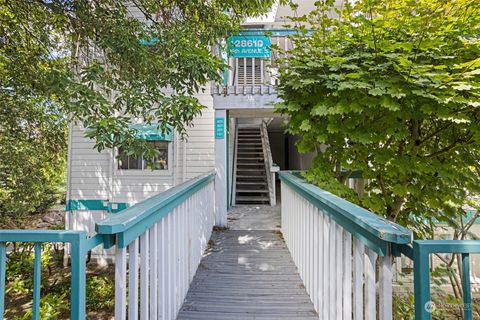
{"points": [[219, 128]]}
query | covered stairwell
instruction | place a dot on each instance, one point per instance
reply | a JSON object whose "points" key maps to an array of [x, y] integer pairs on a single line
{"points": [[253, 182]]}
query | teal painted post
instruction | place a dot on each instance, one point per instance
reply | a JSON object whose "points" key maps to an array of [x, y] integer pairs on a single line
{"points": [[37, 273], [467, 294], [227, 119], [3, 266], [78, 281], [421, 279]]}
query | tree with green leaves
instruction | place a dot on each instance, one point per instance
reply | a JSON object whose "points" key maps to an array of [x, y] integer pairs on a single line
{"points": [[390, 88], [103, 63]]}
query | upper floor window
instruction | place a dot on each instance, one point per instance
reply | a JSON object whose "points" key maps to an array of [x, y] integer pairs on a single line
{"points": [[161, 162]]}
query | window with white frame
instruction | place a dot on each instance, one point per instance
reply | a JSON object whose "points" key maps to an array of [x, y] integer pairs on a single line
{"points": [[160, 162]]}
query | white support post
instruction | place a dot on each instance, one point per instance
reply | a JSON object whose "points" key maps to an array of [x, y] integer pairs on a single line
{"points": [[326, 267], [161, 269], [321, 266], [221, 178], [347, 277], [370, 292], [133, 280], [316, 258], [144, 276], [332, 283], [358, 262], [153, 254], [339, 271], [121, 283], [385, 287]]}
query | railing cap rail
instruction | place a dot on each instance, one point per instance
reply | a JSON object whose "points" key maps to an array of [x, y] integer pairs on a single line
{"points": [[447, 246], [39, 235], [147, 210], [357, 220]]}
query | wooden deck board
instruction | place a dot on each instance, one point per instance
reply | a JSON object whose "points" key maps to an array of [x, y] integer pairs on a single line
{"points": [[247, 275]]}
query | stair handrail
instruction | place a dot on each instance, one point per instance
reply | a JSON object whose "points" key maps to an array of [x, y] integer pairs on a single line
{"points": [[233, 197], [267, 154]]}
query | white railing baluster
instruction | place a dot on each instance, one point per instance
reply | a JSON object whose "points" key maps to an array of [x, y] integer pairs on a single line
{"points": [[169, 265], [316, 248], [358, 262], [310, 248], [236, 75], [253, 76], [162, 260], [244, 82], [326, 267], [144, 276], [321, 266], [303, 235], [370, 293], [174, 245], [332, 268], [191, 238], [347, 277], [335, 258], [161, 268], [183, 251], [153, 259], [262, 71], [385, 288], [339, 271], [133, 280], [121, 283]]}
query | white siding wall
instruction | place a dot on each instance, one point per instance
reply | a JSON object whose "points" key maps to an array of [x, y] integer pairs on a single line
{"points": [[88, 169], [200, 154], [94, 175]]}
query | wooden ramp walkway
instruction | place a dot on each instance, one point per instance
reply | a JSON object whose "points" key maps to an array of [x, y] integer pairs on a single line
{"points": [[247, 275]]}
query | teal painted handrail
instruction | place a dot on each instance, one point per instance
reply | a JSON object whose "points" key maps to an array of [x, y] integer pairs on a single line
{"points": [[118, 229], [80, 245], [37, 277], [374, 231], [422, 249], [134, 221], [3, 264]]}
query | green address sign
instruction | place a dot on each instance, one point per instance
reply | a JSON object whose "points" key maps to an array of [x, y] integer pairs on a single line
{"points": [[249, 47]]}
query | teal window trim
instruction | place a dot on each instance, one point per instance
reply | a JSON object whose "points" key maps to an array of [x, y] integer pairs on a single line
{"points": [[135, 220], [151, 132], [97, 205], [374, 231], [79, 205]]}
